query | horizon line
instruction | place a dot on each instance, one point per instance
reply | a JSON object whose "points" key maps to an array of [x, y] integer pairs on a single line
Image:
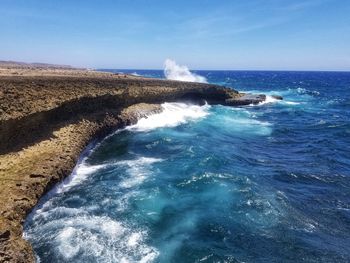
{"points": [[261, 70], [108, 68]]}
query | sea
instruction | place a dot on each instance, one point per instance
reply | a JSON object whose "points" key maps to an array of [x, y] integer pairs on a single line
{"points": [[260, 183]]}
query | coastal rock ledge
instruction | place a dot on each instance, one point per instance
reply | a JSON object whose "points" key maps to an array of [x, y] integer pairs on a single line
{"points": [[47, 118]]}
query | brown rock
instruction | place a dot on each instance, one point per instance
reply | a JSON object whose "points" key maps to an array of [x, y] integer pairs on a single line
{"points": [[49, 115]]}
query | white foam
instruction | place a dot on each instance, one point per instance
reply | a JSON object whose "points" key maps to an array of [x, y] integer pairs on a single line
{"points": [[102, 238], [67, 249], [215, 177], [79, 174], [173, 114], [138, 171], [291, 102], [269, 99], [82, 171], [99, 237], [134, 239], [241, 121], [174, 71], [54, 212], [140, 161]]}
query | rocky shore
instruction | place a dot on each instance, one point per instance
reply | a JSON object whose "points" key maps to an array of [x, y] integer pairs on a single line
{"points": [[48, 116]]}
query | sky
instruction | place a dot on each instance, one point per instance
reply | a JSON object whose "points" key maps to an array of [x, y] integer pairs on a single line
{"points": [[202, 34]]}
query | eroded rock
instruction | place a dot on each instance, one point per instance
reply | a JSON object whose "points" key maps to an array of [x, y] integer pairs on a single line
{"points": [[48, 117]]}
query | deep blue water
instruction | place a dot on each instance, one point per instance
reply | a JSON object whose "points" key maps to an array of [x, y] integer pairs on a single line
{"points": [[266, 183]]}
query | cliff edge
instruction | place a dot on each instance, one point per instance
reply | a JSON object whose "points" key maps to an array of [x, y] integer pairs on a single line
{"points": [[49, 115]]}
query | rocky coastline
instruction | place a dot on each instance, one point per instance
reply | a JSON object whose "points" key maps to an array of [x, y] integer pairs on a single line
{"points": [[49, 115]]}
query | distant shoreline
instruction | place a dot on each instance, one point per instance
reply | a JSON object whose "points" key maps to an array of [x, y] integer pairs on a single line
{"points": [[37, 65], [230, 70]]}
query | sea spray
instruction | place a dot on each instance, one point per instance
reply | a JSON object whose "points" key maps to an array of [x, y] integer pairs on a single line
{"points": [[174, 71], [173, 114]]}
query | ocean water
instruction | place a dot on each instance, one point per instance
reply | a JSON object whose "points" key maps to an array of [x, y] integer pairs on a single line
{"points": [[264, 183]]}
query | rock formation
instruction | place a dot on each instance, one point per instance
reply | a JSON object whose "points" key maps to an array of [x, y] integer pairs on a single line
{"points": [[48, 116]]}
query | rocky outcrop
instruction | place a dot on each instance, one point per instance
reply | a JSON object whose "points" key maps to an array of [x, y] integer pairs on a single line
{"points": [[27, 174], [46, 120], [32, 107], [245, 99]]}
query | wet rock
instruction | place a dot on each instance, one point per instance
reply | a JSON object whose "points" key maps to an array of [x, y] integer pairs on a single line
{"points": [[277, 97], [246, 99]]}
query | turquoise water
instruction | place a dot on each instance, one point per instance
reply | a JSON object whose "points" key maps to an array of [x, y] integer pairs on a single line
{"points": [[265, 183]]}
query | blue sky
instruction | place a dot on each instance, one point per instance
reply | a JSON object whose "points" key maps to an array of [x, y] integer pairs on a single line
{"points": [[254, 34]]}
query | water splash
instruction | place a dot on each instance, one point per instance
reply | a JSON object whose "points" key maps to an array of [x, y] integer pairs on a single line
{"points": [[174, 71], [173, 114]]}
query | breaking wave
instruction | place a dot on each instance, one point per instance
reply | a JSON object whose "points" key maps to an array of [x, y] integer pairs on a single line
{"points": [[79, 233], [174, 71], [173, 114]]}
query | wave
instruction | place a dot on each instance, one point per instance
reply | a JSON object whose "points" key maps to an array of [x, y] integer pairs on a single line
{"points": [[82, 171], [229, 121], [269, 99], [138, 171], [173, 114], [99, 237], [308, 92], [174, 71], [79, 232], [79, 174]]}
